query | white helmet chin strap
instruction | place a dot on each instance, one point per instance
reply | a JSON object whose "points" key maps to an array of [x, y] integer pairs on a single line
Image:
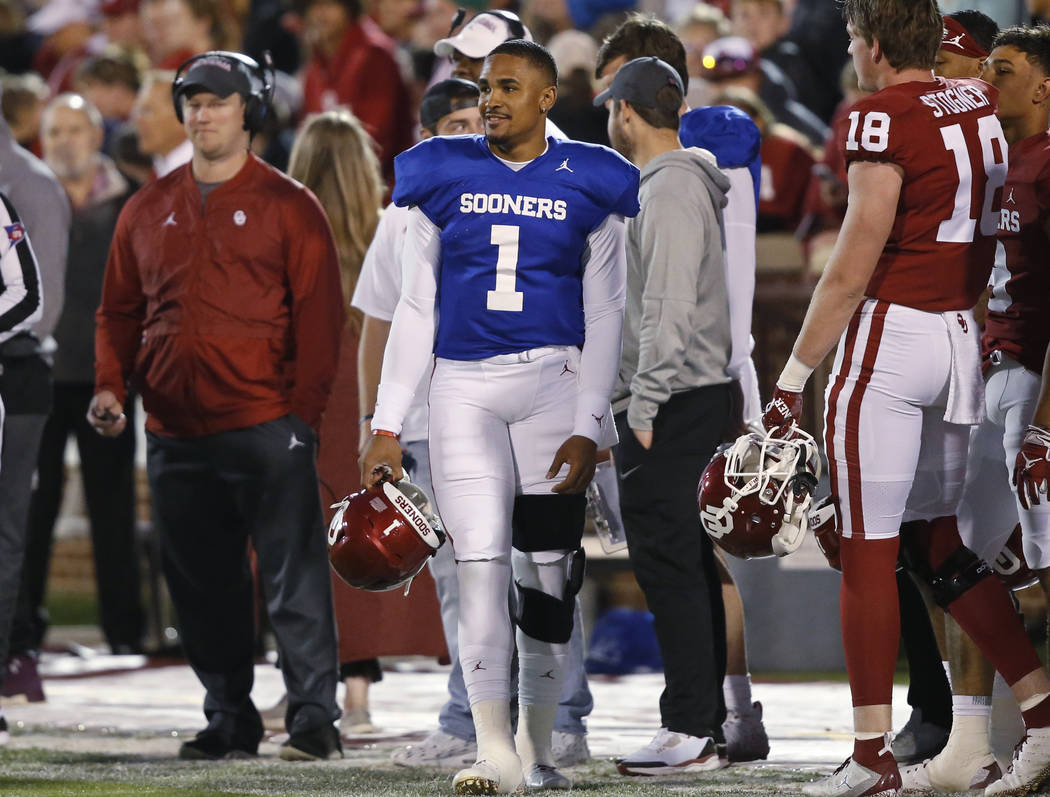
{"points": [[769, 464]]}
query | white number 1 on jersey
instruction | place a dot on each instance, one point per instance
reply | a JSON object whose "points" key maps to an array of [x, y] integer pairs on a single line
{"points": [[505, 297]]}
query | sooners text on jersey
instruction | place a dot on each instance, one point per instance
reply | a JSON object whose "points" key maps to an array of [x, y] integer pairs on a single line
{"points": [[945, 137], [1018, 323], [512, 242]]}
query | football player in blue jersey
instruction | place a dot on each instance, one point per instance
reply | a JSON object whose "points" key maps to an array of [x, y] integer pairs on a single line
{"points": [[514, 278]]}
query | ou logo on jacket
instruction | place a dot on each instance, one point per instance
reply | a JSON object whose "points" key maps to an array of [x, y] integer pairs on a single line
{"points": [[239, 218], [716, 526]]}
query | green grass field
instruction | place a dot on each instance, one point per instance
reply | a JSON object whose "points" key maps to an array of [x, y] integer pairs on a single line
{"points": [[49, 773]]}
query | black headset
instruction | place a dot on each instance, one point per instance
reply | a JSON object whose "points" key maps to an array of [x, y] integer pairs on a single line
{"points": [[517, 29], [260, 78]]}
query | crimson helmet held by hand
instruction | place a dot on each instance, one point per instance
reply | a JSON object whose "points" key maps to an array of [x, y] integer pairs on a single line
{"points": [[381, 537], [755, 495]]}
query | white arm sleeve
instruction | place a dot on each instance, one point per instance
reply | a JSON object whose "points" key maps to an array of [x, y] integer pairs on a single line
{"points": [[740, 221], [604, 295], [410, 347]]}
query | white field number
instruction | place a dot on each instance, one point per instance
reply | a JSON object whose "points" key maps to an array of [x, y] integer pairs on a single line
{"points": [[505, 297]]}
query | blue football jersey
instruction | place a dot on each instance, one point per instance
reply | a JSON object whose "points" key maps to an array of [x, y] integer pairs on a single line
{"points": [[512, 242]]}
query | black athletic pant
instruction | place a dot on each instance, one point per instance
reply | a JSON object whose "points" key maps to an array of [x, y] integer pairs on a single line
{"points": [[672, 557], [210, 495], [928, 688], [107, 470]]}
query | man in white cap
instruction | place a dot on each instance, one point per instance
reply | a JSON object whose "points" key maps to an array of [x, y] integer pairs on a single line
{"points": [[478, 38]]}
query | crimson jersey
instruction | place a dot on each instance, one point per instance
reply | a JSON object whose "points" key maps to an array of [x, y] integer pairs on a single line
{"points": [[1018, 322], [787, 167], [945, 136]]}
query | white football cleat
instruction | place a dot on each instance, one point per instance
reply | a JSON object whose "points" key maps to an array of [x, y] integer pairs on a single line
{"points": [[671, 753], [915, 779], [494, 775], [1030, 767], [947, 773], [542, 777], [856, 780], [440, 750]]}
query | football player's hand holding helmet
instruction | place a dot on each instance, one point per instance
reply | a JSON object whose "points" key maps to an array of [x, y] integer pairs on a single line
{"points": [[381, 457], [1032, 467], [783, 411], [754, 495]]}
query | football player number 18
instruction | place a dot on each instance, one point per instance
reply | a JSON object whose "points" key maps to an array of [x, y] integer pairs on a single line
{"points": [[960, 227], [505, 298]]}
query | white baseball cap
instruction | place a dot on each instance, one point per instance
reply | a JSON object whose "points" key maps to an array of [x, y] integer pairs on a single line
{"points": [[483, 34]]}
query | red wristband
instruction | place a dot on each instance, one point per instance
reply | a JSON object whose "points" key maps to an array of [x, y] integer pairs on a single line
{"points": [[384, 433]]}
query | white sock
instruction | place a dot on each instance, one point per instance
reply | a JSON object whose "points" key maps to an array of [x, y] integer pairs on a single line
{"points": [[971, 706], [867, 737], [533, 739], [737, 692]]}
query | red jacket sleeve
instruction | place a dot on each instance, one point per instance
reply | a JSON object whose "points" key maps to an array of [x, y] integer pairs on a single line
{"points": [[120, 314], [318, 312], [379, 98]]}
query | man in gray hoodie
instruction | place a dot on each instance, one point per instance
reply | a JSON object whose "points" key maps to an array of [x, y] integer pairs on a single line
{"points": [[672, 404]]}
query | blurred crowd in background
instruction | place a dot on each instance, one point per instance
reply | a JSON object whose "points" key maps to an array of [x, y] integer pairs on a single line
{"points": [[782, 61]]}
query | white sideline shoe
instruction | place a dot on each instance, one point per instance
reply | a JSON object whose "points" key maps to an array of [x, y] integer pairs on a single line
{"points": [[670, 752], [1030, 767], [440, 750], [542, 777], [493, 775]]}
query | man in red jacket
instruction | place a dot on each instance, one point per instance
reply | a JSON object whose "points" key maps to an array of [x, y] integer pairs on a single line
{"points": [[221, 301], [353, 65]]}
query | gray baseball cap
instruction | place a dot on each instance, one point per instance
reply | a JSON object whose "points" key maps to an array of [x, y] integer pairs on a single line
{"points": [[640, 80]]}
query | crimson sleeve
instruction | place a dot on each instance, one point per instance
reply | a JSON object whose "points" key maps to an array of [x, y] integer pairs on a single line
{"points": [[318, 307], [380, 100], [121, 313]]}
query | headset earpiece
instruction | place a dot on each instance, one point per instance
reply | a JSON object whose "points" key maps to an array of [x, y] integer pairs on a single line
{"points": [[256, 104]]}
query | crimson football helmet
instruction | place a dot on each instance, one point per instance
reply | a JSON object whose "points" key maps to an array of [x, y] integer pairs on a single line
{"points": [[381, 537], [755, 495], [1010, 564]]}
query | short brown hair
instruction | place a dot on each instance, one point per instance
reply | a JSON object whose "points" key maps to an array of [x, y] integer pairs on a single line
{"points": [[641, 35], [113, 66], [664, 116], [909, 31]]}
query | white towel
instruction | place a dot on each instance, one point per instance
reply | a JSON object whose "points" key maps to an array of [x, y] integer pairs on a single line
{"points": [[966, 385]]}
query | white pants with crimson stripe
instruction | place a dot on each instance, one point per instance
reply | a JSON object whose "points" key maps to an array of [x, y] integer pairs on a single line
{"points": [[989, 508], [893, 457]]}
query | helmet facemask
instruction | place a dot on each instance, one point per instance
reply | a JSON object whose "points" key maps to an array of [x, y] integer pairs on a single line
{"points": [[779, 471]]}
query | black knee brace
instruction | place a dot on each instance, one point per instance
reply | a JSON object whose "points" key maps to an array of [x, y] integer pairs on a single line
{"points": [[548, 522], [962, 570], [545, 617]]}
